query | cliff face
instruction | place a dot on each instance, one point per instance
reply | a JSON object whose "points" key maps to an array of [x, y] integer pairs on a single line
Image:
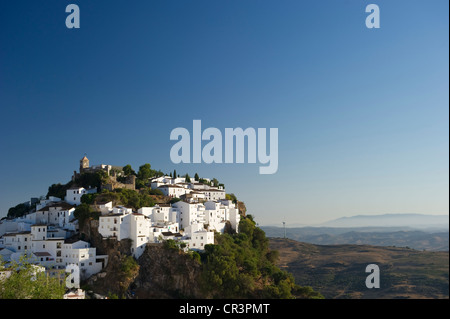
{"points": [[242, 208], [160, 272], [121, 270], [167, 274]]}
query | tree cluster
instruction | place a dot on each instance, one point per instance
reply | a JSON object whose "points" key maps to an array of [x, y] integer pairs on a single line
{"points": [[242, 266], [23, 280]]}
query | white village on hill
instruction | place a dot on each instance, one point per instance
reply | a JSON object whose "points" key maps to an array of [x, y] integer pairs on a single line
{"points": [[45, 234]]}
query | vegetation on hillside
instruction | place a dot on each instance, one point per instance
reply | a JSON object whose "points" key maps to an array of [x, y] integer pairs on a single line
{"points": [[18, 210], [338, 271], [242, 266], [24, 280], [121, 196]]}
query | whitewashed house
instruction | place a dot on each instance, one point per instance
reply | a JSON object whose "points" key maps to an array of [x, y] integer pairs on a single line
{"points": [[190, 213], [198, 239], [105, 208], [74, 194], [213, 194], [52, 253], [174, 190], [81, 254], [44, 202], [139, 233], [122, 223]]}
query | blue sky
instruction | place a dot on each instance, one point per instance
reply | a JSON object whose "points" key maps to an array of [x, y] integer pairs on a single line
{"points": [[362, 113]]}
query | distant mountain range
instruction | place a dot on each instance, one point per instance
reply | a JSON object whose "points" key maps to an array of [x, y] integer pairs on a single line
{"points": [[421, 232], [417, 221]]}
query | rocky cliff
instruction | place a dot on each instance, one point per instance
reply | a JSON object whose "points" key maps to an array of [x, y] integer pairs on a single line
{"points": [[166, 273]]}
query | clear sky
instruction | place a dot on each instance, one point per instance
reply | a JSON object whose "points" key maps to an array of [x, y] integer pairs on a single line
{"points": [[362, 113]]}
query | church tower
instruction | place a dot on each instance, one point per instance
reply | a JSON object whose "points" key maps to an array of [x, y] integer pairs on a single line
{"points": [[84, 163]]}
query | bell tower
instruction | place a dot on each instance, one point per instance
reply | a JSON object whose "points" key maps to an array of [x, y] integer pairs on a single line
{"points": [[84, 163]]}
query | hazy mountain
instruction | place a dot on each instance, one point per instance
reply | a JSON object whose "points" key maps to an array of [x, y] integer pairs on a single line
{"points": [[418, 221], [380, 236]]}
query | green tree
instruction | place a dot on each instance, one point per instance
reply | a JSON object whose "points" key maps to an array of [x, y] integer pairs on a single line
{"points": [[88, 180], [89, 198], [242, 266], [128, 170], [188, 179], [145, 172], [231, 197], [58, 190], [83, 212], [196, 177], [28, 281], [18, 211]]}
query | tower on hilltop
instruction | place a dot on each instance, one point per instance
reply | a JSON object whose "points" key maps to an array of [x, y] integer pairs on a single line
{"points": [[84, 163]]}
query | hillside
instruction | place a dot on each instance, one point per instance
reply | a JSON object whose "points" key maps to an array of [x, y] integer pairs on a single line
{"points": [[338, 271], [237, 266]]}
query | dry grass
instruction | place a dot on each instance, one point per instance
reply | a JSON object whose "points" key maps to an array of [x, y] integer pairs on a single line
{"points": [[338, 271]]}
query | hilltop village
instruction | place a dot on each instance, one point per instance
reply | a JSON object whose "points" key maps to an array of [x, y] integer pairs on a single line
{"points": [[196, 209]]}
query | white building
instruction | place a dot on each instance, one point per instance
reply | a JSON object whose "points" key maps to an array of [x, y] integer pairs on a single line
{"points": [[105, 208], [122, 224], [44, 202], [190, 213], [139, 233], [52, 253], [81, 254], [174, 190], [198, 239], [74, 194], [213, 194]]}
